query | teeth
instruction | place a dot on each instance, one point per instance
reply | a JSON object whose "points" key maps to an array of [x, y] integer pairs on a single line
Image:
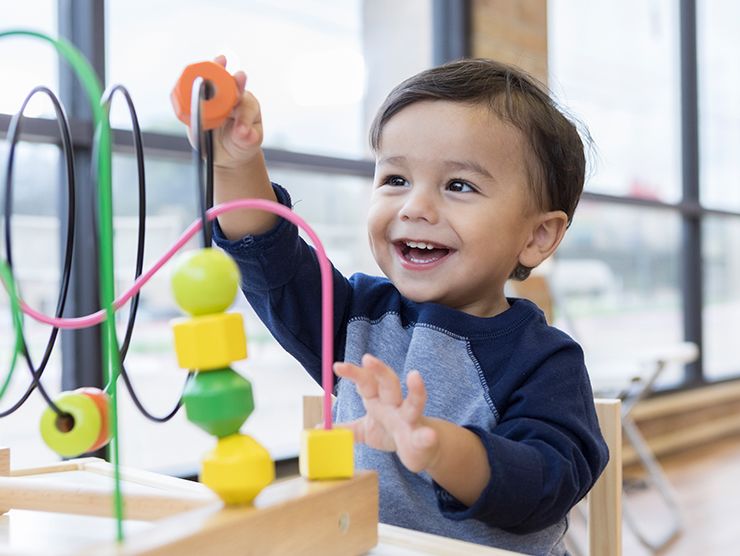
{"points": [[419, 245]]}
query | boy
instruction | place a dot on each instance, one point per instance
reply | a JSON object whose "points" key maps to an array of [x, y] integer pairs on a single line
{"points": [[477, 416]]}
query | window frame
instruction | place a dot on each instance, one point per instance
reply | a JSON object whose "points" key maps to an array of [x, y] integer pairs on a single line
{"points": [[83, 23]]}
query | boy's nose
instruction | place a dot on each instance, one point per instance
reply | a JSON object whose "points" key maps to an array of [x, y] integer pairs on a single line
{"points": [[419, 205]]}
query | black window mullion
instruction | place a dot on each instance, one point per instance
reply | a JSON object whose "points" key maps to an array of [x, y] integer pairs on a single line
{"points": [[691, 257], [82, 23], [450, 30]]}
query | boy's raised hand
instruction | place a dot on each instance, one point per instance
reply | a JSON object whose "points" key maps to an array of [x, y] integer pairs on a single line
{"points": [[239, 139], [392, 423]]}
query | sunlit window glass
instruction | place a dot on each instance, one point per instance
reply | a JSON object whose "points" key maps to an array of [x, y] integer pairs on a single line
{"points": [[616, 283], [27, 62], [615, 65], [314, 65], [721, 265], [36, 238], [718, 46]]}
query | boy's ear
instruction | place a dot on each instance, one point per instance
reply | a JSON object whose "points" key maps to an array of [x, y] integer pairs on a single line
{"points": [[547, 233]]}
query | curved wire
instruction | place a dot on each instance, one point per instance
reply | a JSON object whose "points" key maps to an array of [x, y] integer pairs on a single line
{"points": [[140, 242], [327, 294], [198, 94], [143, 410], [14, 132]]}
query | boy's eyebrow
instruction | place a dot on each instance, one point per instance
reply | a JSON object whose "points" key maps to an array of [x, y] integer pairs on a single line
{"points": [[470, 165], [392, 160], [452, 164]]}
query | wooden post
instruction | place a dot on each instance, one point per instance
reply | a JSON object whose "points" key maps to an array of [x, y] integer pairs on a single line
{"points": [[605, 498], [4, 469], [313, 411]]}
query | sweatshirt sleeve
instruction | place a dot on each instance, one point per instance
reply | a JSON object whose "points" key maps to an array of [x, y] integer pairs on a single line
{"points": [[545, 453], [282, 282]]}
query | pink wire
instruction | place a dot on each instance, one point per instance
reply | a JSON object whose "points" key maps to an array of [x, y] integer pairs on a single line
{"points": [[327, 293]]}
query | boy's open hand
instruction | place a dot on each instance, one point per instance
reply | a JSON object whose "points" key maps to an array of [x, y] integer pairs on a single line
{"points": [[392, 423]]}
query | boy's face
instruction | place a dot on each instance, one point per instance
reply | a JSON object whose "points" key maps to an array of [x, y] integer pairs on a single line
{"points": [[451, 211]]}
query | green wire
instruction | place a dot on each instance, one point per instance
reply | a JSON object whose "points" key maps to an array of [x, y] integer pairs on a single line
{"points": [[111, 361], [17, 316]]}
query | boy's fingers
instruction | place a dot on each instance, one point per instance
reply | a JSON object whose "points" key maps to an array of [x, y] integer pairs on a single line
{"points": [[416, 398], [220, 59], [365, 382], [389, 388], [241, 81], [247, 110]]}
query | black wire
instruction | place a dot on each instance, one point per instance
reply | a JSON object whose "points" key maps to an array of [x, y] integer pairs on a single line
{"points": [[141, 407], [139, 150], [209, 186], [198, 93], [141, 236], [13, 137]]}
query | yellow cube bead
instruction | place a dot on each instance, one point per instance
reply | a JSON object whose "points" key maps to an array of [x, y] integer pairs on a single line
{"points": [[237, 469], [327, 454], [210, 341]]}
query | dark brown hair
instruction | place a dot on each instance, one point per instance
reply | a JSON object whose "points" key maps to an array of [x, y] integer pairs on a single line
{"points": [[557, 165]]}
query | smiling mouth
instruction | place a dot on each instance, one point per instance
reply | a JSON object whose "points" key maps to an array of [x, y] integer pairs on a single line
{"points": [[420, 252]]}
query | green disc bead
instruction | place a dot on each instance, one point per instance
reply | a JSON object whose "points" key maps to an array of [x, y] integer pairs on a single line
{"points": [[205, 281], [84, 430], [218, 401]]}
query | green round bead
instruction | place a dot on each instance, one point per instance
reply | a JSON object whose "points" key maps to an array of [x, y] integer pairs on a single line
{"points": [[205, 281], [218, 401], [85, 425]]}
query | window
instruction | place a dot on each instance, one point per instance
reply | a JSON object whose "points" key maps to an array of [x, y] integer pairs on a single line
{"points": [[635, 234], [36, 244], [36, 65], [319, 68], [616, 66], [719, 111], [719, 132], [617, 279], [721, 296]]}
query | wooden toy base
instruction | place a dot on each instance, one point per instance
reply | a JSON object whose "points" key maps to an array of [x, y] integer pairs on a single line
{"points": [[294, 516]]}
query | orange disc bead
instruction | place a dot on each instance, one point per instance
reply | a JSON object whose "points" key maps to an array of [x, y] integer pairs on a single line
{"points": [[102, 402], [216, 108]]}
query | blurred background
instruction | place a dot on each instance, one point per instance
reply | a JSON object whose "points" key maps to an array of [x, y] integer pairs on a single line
{"points": [[651, 259]]}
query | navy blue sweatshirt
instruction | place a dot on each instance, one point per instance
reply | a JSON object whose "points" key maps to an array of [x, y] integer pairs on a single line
{"points": [[517, 383]]}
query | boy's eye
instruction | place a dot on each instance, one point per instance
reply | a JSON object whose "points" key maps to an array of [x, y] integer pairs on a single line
{"points": [[396, 181], [459, 186]]}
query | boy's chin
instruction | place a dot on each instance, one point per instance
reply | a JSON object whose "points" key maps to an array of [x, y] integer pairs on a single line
{"points": [[419, 297]]}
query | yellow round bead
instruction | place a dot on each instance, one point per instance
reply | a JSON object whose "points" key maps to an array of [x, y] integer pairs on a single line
{"points": [[205, 281], [237, 469]]}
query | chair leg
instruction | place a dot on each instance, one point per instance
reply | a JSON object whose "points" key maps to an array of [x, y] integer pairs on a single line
{"points": [[659, 481]]}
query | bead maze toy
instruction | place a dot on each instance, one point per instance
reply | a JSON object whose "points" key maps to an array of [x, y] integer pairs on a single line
{"points": [[328, 510]]}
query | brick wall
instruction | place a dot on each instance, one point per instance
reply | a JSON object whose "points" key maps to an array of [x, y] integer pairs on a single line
{"points": [[512, 31]]}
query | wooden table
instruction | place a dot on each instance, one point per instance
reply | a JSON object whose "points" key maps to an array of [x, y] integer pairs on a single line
{"points": [[25, 533], [64, 508]]}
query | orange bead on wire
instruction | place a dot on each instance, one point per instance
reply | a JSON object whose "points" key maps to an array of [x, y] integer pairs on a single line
{"points": [[223, 94]]}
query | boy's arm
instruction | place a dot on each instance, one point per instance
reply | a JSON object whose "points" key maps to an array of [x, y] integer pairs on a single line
{"points": [[281, 281], [239, 164], [460, 465], [521, 476]]}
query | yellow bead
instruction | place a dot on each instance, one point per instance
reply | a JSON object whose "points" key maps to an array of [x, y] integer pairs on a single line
{"points": [[327, 454], [209, 342], [237, 469]]}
